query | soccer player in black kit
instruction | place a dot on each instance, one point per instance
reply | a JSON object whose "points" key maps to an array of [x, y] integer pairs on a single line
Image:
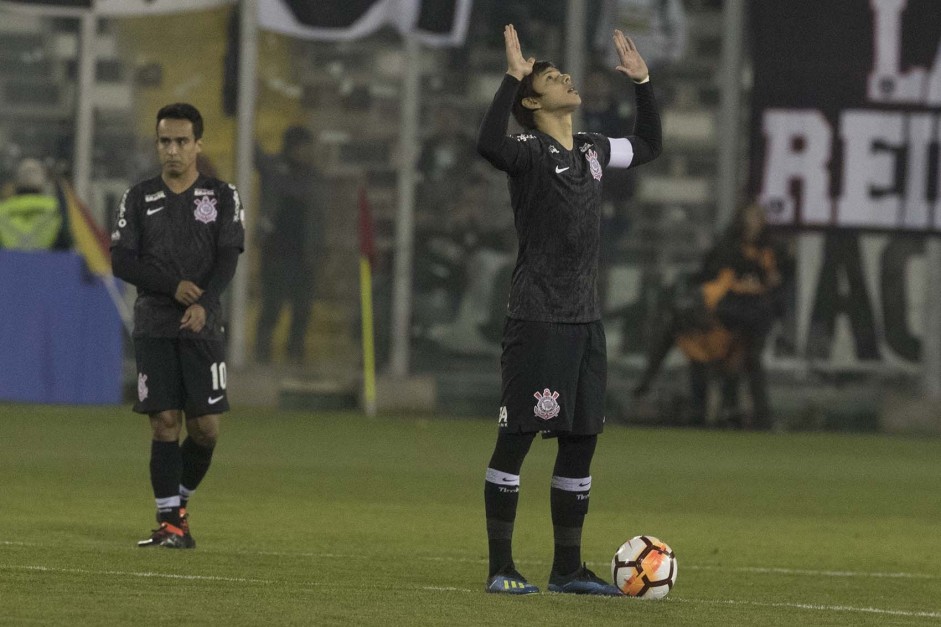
{"points": [[554, 362], [178, 238]]}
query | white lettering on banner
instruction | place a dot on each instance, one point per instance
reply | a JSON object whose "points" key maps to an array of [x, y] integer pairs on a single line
{"points": [[923, 130], [862, 300], [888, 175], [887, 83], [870, 139], [797, 148]]}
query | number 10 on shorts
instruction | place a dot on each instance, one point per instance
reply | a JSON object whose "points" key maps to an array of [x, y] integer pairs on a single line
{"points": [[218, 375]]}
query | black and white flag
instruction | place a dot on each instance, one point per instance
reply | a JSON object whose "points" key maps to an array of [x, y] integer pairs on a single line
{"points": [[112, 8], [436, 23], [433, 22]]}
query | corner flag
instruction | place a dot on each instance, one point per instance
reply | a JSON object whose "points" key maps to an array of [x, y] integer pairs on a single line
{"points": [[367, 257], [92, 244]]}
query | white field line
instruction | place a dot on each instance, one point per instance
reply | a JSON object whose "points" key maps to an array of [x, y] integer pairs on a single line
{"points": [[814, 607], [731, 602], [757, 570], [209, 578], [124, 573]]}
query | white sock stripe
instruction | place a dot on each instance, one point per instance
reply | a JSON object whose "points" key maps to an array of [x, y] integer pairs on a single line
{"points": [[184, 492], [570, 484], [502, 478], [167, 502]]}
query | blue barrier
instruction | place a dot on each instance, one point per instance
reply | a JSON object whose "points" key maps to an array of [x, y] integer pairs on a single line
{"points": [[60, 334]]}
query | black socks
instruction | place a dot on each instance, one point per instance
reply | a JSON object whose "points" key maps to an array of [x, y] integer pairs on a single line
{"points": [[165, 470], [195, 463]]}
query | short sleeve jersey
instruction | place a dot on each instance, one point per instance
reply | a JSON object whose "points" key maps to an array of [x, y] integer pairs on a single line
{"points": [[179, 235], [556, 198]]}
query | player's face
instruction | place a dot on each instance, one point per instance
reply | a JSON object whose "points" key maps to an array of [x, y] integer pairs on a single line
{"points": [[177, 147], [557, 91]]}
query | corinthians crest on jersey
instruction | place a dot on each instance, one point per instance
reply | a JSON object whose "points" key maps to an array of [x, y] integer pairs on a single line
{"points": [[593, 164], [205, 209]]}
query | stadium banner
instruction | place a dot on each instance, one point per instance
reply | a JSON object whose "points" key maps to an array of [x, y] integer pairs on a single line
{"points": [[436, 23], [112, 8], [859, 301], [846, 113], [61, 332], [135, 8], [857, 304], [50, 8]]}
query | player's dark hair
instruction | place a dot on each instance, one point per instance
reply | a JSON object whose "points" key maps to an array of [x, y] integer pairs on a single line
{"points": [[523, 116], [183, 111]]}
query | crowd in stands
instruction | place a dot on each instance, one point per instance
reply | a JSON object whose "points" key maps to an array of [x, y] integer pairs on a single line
{"points": [[464, 245], [32, 215]]}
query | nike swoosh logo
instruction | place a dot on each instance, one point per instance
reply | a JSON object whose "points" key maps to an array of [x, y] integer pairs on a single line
{"points": [[582, 485], [213, 401], [151, 212], [558, 170]]}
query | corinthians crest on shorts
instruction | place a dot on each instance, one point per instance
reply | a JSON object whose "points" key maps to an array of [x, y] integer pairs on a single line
{"points": [[142, 390], [205, 209], [547, 407]]}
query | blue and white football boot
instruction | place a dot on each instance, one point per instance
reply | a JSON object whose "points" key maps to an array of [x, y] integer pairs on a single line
{"points": [[582, 581], [509, 581]]}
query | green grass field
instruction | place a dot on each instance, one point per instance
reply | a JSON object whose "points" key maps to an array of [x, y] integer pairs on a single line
{"points": [[340, 519]]}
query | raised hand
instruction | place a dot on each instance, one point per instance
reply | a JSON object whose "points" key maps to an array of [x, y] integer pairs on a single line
{"points": [[516, 65], [631, 64]]}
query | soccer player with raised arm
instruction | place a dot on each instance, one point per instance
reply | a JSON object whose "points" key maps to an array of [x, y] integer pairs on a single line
{"points": [[554, 362], [178, 238]]}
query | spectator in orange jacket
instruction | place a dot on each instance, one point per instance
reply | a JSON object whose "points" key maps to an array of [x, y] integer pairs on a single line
{"points": [[722, 322]]}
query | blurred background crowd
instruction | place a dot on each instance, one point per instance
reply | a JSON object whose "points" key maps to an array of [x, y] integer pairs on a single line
{"points": [[327, 139]]}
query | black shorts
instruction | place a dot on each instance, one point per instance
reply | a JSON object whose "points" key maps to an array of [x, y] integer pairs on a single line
{"points": [[554, 377], [180, 374]]}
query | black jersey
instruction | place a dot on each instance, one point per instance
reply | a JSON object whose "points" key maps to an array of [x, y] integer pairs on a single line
{"points": [[556, 198], [178, 235]]}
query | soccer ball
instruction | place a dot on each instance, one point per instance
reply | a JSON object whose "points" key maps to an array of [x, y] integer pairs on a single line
{"points": [[644, 567]]}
